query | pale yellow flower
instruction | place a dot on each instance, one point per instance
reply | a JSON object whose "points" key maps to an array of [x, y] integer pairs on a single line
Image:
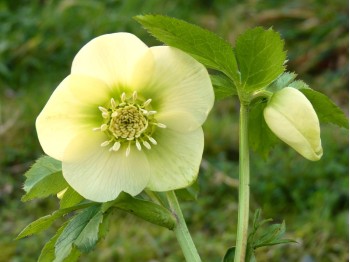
{"points": [[290, 115], [128, 117]]}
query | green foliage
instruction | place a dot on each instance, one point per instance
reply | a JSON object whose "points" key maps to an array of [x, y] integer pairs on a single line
{"points": [[79, 234], [259, 53], [46, 221], [230, 255], [326, 110], [272, 235], [70, 198], [261, 138], [146, 210], [48, 252], [43, 179], [260, 58], [299, 84], [188, 193], [281, 82], [81, 231], [223, 86], [205, 46]]}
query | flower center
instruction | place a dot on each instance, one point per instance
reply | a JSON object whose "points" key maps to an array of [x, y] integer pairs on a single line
{"points": [[128, 121]]}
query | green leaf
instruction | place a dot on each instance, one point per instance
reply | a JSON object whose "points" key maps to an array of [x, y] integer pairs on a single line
{"points": [[82, 231], [326, 110], [89, 236], [223, 86], [279, 242], [230, 255], [70, 198], [73, 256], [299, 84], [274, 232], [256, 221], [261, 138], [282, 81], [189, 193], [251, 258], [146, 210], [43, 179], [205, 46], [260, 58], [104, 226], [48, 252], [272, 235], [46, 221]]}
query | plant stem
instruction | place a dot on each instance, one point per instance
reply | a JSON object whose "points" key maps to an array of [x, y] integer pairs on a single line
{"points": [[243, 197], [182, 234]]}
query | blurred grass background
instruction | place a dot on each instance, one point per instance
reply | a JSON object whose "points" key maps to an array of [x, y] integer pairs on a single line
{"points": [[39, 39]]}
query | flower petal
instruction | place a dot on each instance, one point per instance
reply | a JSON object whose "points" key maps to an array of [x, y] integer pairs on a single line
{"points": [[292, 118], [71, 109], [175, 159], [179, 86], [110, 57], [100, 175]]}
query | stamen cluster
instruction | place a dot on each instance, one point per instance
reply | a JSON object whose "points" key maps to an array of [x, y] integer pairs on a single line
{"points": [[128, 121]]}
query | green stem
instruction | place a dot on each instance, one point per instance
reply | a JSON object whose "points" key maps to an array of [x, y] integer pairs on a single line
{"points": [[182, 234], [243, 198]]}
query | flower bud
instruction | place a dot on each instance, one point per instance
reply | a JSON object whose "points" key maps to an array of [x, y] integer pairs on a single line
{"points": [[61, 193], [291, 117]]}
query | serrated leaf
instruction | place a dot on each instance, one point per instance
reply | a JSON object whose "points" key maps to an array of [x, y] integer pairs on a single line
{"points": [[189, 193], [260, 58], [82, 231], [146, 210], [280, 241], [223, 86], [299, 84], [205, 46], [261, 138], [43, 179], [89, 236], [73, 256], [256, 218], [273, 233], [70, 198], [326, 110], [104, 226], [48, 252], [282, 81], [230, 255], [42, 167], [46, 221], [257, 222]]}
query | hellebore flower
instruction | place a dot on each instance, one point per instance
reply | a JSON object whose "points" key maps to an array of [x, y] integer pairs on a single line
{"points": [[290, 115], [128, 117]]}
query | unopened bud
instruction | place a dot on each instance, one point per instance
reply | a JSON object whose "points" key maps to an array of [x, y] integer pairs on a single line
{"points": [[291, 117]]}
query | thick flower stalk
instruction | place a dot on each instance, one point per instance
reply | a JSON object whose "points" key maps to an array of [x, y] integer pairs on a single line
{"points": [[128, 117], [290, 115]]}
